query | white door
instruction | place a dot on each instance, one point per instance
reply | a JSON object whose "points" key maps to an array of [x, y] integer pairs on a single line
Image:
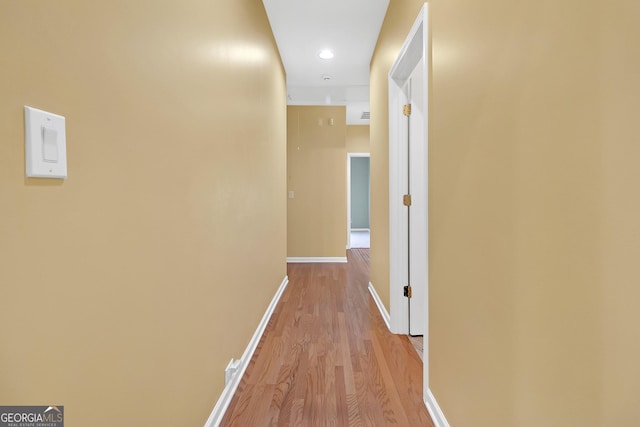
{"points": [[415, 206]]}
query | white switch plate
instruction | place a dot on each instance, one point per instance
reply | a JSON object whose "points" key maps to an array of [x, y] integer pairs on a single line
{"points": [[45, 157]]}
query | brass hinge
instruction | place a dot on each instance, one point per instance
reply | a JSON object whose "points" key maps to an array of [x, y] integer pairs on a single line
{"points": [[406, 200], [407, 291], [406, 110]]}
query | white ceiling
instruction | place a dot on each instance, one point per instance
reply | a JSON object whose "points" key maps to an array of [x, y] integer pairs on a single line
{"points": [[350, 28]]}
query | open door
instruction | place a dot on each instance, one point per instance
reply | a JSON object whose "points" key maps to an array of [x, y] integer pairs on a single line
{"points": [[414, 201], [408, 188]]}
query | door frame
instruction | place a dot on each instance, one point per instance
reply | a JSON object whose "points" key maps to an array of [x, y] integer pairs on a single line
{"points": [[414, 50], [349, 157]]}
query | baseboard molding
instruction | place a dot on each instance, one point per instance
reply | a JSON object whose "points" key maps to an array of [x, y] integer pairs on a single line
{"points": [[383, 311], [302, 259], [227, 394], [434, 410]]}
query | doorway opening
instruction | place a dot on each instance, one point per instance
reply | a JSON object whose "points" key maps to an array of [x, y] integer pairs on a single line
{"points": [[408, 190], [358, 200]]}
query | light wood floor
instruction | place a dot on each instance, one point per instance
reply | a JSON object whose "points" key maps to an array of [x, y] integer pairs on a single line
{"points": [[360, 239], [327, 358], [418, 344]]}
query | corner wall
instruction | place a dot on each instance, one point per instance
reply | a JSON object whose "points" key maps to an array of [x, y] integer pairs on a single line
{"points": [[532, 194], [127, 287], [317, 175]]}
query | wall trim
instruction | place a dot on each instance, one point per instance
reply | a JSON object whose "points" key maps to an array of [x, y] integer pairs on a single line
{"points": [[437, 416], [230, 388], [299, 259], [383, 310]]}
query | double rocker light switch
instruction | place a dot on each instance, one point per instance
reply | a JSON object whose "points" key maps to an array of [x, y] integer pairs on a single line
{"points": [[45, 139]]}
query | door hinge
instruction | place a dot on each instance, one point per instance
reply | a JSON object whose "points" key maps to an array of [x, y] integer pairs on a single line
{"points": [[406, 110], [407, 291], [406, 200]]}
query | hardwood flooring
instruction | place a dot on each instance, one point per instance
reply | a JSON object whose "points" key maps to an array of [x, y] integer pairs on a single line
{"points": [[418, 344], [327, 358]]}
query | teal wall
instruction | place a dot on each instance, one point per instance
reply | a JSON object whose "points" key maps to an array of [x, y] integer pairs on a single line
{"points": [[360, 192]]}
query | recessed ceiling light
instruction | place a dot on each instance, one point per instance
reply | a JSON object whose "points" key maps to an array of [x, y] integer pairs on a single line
{"points": [[326, 54]]}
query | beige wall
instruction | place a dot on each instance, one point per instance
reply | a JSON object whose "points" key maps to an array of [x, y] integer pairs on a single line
{"points": [[619, 206], [127, 287], [358, 139], [533, 208], [317, 174]]}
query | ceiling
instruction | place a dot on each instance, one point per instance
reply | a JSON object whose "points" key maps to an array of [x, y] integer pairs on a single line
{"points": [[350, 28]]}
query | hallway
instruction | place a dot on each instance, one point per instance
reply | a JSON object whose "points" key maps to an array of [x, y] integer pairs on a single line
{"points": [[327, 358]]}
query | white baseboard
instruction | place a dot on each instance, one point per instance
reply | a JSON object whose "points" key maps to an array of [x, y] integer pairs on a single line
{"points": [[300, 259], [434, 410], [383, 311], [230, 388]]}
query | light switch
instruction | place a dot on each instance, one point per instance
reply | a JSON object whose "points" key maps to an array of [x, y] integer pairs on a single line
{"points": [[49, 144], [291, 194], [45, 144]]}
